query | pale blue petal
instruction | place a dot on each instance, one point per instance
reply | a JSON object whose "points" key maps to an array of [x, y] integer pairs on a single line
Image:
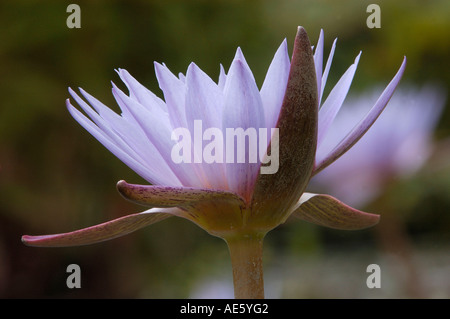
{"points": [[361, 128], [324, 77], [204, 102], [318, 60], [140, 93], [274, 86], [126, 136], [333, 103], [222, 78], [121, 151], [174, 94], [158, 135], [242, 109]]}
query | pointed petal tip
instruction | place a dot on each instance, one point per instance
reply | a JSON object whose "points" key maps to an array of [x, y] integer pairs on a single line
{"points": [[400, 71], [283, 46], [357, 58], [158, 67], [403, 63], [114, 87], [72, 91], [191, 67], [239, 56]]}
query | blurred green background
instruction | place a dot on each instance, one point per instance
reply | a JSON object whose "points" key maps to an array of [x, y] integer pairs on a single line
{"points": [[55, 177]]}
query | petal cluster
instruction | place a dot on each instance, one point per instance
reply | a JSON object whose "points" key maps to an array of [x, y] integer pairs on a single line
{"points": [[141, 136]]}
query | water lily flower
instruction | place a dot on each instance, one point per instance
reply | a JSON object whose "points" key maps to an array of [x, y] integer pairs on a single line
{"points": [[396, 146], [233, 201]]}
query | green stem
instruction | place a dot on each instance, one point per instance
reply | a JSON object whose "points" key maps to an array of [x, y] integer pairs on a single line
{"points": [[246, 261]]}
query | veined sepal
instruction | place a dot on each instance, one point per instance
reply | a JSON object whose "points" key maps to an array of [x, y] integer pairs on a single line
{"points": [[275, 193], [101, 232], [327, 211]]}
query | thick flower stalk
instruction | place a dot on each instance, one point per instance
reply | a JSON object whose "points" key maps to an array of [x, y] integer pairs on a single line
{"points": [[237, 187]]}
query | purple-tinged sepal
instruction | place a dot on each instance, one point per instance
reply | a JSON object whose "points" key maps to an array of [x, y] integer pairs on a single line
{"points": [[275, 193], [102, 232], [167, 196], [216, 211], [327, 211]]}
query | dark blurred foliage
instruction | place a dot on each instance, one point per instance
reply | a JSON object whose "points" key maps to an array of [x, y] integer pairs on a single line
{"points": [[55, 177]]}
